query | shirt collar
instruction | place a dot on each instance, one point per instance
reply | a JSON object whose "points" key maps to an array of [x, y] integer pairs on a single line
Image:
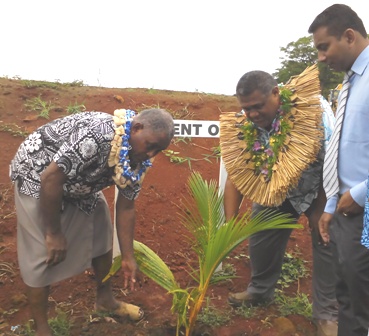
{"points": [[361, 62]]}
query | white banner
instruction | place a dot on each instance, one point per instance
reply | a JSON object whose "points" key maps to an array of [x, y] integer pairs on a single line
{"points": [[196, 128]]}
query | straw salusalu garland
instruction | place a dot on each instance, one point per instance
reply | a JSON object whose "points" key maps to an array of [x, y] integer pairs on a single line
{"points": [[266, 174]]}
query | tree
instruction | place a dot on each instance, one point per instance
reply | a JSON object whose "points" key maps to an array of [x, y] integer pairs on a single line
{"points": [[298, 56]]}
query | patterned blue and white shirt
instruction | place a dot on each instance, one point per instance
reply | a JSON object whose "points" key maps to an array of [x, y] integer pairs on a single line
{"points": [[365, 234], [80, 145]]}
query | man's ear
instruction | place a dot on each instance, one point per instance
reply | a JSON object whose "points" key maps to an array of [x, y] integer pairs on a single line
{"points": [[136, 127], [275, 91], [349, 35]]}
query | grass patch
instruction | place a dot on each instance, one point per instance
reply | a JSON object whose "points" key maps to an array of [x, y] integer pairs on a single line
{"points": [[75, 83], [299, 305], [14, 130], [76, 108], [227, 271], [6, 269], [216, 151], [173, 156], [5, 192], [183, 113], [41, 106], [208, 157], [293, 268], [246, 312], [60, 325], [185, 140], [152, 91], [26, 329], [31, 84], [213, 316]]}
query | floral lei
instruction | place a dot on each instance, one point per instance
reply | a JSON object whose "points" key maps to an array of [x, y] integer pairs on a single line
{"points": [[264, 155], [119, 154]]}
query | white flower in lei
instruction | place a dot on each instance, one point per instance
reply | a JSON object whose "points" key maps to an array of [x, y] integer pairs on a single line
{"points": [[119, 154]]}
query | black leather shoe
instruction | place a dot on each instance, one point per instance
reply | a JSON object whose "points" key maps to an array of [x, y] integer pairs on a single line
{"points": [[247, 300]]}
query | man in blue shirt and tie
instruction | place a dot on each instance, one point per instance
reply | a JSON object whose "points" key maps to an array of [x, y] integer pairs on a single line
{"points": [[342, 43]]}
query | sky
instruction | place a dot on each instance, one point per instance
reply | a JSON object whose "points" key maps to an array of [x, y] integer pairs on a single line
{"points": [[193, 45]]}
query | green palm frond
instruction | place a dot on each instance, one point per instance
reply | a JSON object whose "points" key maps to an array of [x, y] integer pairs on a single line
{"points": [[212, 238], [205, 214], [154, 267], [233, 233], [149, 264]]}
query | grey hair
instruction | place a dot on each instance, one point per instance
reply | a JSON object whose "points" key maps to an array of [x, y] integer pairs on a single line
{"points": [[158, 120]]}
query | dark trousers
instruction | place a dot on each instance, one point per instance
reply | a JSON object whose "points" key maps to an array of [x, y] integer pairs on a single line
{"points": [[267, 249], [351, 260]]}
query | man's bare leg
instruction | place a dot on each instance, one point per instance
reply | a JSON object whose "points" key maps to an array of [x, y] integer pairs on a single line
{"points": [[105, 300], [104, 294], [38, 301]]}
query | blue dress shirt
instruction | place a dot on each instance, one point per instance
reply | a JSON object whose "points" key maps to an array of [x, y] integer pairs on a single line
{"points": [[353, 152]]}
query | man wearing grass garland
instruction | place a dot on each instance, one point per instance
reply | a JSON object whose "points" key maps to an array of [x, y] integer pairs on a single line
{"points": [[273, 155], [64, 223]]}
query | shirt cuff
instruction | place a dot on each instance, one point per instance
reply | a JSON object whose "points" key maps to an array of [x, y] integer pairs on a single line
{"points": [[358, 193], [331, 204]]}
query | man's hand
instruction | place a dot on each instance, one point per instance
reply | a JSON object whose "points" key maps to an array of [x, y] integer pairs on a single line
{"points": [[314, 216], [347, 206], [129, 268], [56, 245], [315, 211], [324, 222], [125, 223]]}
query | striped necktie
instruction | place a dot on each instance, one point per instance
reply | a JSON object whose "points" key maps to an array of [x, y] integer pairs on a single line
{"points": [[330, 176]]}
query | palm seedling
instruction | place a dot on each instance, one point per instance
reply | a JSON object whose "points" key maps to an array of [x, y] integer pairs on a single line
{"points": [[212, 240]]}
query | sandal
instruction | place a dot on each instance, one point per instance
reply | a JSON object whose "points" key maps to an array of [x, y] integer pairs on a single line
{"points": [[135, 313]]}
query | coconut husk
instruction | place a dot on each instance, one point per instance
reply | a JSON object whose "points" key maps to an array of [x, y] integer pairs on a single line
{"points": [[300, 148]]}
